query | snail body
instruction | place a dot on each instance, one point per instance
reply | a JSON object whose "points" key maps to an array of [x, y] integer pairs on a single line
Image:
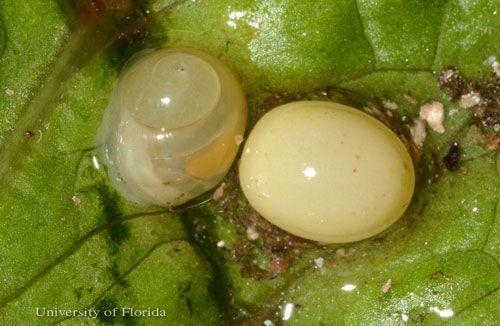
{"points": [[171, 130]]}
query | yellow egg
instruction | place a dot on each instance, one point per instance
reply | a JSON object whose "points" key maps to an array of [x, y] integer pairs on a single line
{"points": [[326, 172], [169, 132]]}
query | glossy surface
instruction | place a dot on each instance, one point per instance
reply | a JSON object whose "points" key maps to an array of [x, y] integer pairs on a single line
{"points": [[326, 172], [169, 133]]}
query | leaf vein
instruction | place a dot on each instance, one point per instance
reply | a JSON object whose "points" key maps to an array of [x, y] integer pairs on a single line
{"points": [[78, 244], [363, 28]]}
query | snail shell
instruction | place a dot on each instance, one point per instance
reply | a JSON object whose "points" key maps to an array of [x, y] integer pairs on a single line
{"points": [[172, 127]]}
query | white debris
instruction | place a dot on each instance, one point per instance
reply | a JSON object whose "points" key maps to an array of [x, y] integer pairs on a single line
{"points": [[433, 114], [267, 322], [319, 262], [9, 92], [418, 132], [390, 105], [219, 192], [77, 201], [448, 73], [349, 287], [238, 139], [221, 244], [252, 234], [445, 313], [287, 312], [452, 111], [469, 100], [496, 68], [495, 65]]}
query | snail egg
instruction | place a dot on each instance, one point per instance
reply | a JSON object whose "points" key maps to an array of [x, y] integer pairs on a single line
{"points": [[326, 172], [170, 132]]}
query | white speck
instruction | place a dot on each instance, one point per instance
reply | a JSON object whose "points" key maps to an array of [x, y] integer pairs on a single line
{"points": [[452, 111], [231, 23], [254, 24], [418, 132], [221, 244], [496, 68], [348, 287], [474, 210], [267, 322], [76, 200], [237, 14], [405, 317], [319, 262], [287, 313], [469, 100], [95, 162], [165, 100], [9, 92], [390, 105], [238, 139], [496, 127], [252, 234], [445, 313], [433, 114], [309, 172]]}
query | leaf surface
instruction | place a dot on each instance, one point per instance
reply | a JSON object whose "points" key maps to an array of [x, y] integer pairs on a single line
{"points": [[70, 241]]}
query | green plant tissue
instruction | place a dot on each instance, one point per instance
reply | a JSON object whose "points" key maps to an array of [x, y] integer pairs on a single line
{"points": [[73, 251]]}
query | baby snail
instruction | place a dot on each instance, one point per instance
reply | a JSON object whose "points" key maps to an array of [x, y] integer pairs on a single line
{"points": [[172, 128], [326, 172]]}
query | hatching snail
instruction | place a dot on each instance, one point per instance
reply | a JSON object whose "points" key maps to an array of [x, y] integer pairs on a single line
{"points": [[326, 172], [173, 126]]}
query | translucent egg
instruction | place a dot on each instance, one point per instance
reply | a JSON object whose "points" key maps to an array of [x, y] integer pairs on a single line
{"points": [[326, 172], [171, 130]]}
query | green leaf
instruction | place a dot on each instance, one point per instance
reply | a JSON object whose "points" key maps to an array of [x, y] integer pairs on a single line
{"points": [[71, 242]]}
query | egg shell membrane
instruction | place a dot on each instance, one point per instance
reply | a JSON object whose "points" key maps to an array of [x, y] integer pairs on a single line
{"points": [[349, 198]]}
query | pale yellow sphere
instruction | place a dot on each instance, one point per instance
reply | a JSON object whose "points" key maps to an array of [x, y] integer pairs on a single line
{"points": [[326, 172]]}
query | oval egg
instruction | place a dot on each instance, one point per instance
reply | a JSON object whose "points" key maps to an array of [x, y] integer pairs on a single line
{"points": [[172, 127], [326, 172]]}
